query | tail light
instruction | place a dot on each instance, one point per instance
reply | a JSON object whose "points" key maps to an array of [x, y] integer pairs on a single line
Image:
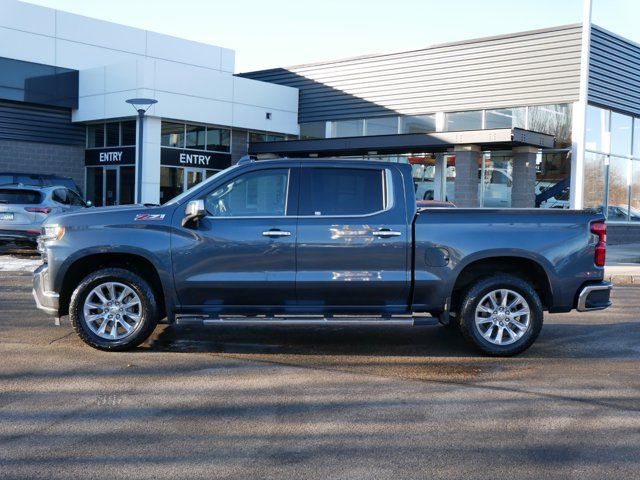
{"points": [[599, 228], [45, 210]]}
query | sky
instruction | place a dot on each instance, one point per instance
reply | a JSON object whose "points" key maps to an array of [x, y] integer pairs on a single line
{"points": [[280, 33]]}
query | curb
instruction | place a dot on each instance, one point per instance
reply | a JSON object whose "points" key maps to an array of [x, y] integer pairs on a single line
{"points": [[622, 274], [622, 279]]}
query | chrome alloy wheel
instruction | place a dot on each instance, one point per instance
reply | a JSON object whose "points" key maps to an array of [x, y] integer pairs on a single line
{"points": [[503, 317], [113, 311]]}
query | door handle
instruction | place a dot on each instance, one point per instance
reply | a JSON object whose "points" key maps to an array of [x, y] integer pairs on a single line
{"points": [[385, 232], [276, 233]]}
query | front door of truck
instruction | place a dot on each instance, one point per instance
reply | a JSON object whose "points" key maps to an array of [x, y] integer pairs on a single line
{"points": [[241, 256], [353, 238]]}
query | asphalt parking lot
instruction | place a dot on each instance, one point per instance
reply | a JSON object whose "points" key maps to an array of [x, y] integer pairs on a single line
{"points": [[332, 403]]}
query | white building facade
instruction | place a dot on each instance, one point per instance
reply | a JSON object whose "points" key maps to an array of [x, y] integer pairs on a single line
{"points": [[202, 122]]}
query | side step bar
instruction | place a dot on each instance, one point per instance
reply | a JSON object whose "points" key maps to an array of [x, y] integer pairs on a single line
{"points": [[304, 321]]}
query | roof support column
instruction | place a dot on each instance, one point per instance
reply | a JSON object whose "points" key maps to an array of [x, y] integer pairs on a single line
{"points": [[440, 177], [523, 187], [466, 185]]}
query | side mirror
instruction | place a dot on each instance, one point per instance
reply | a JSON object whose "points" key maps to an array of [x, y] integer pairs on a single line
{"points": [[193, 212]]}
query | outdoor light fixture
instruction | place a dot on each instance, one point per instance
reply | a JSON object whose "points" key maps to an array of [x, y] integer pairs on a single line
{"points": [[141, 105]]}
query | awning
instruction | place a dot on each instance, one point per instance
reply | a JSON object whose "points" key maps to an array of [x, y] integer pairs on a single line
{"points": [[496, 139]]}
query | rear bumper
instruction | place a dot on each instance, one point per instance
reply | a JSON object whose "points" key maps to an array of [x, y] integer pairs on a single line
{"points": [[48, 302], [26, 235], [594, 297]]}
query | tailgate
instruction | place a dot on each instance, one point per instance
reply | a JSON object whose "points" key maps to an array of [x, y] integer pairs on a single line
{"points": [[16, 215], [14, 203]]}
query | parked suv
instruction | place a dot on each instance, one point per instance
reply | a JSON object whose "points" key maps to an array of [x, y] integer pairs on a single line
{"points": [[23, 209], [37, 180]]}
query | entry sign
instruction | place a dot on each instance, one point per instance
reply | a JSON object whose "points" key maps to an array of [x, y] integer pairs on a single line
{"points": [[176, 157], [110, 156]]}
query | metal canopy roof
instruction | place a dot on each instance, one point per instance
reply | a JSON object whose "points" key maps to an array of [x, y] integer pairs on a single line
{"points": [[497, 139]]}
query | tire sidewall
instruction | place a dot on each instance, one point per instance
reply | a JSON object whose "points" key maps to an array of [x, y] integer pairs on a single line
{"points": [[149, 309], [477, 292]]}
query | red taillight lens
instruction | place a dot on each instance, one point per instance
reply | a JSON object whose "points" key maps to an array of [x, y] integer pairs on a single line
{"points": [[599, 228], [45, 210]]}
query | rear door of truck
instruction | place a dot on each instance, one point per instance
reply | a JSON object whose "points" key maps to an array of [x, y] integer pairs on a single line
{"points": [[353, 239]]}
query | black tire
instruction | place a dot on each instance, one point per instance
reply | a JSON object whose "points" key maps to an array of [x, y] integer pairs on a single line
{"points": [[148, 309], [473, 297]]}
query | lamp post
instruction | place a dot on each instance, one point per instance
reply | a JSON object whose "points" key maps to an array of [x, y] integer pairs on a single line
{"points": [[141, 105]]}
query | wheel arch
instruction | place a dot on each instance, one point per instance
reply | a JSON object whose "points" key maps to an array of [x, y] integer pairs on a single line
{"points": [[80, 267], [523, 267]]}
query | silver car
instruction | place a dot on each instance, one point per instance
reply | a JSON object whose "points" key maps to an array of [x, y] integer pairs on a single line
{"points": [[23, 208]]}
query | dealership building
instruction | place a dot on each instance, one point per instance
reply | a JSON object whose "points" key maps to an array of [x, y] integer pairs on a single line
{"points": [[547, 118]]}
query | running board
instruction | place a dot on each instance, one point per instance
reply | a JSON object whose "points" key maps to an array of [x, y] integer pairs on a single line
{"points": [[304, 321]]}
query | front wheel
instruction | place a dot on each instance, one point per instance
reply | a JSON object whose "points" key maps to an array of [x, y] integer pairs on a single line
{"points": [[113, 309], [501, 315]]}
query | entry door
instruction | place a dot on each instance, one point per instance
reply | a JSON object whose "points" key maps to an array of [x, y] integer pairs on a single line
{"points": [[192, 177], [111, 186], [241, 256], [353, 239]]}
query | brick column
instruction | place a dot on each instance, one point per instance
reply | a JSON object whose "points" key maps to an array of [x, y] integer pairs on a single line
{"points": [[466, 185], [523, 189]]}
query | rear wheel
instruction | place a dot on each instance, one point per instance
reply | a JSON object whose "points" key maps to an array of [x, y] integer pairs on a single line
{"points": [[113, 309], [501, 315]]}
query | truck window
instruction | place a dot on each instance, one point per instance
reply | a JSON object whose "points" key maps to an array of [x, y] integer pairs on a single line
{"points": [[262, 193], [342, 191]]}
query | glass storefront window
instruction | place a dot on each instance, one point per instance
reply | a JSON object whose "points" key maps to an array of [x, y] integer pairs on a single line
{"points": [[218, 139], [457, 121], [621, 130], [495, 181], [424, 176], [594, 174], [505, 118], [312, 130], [113, 134], [257, 137], [272, 137], [171, 183], [618, 187], [347, 128], [95, 135], [172, 135], [418, 124], [636, 137], [128, 132], [381, 126], [94, 185], [597, 128], [127, 184], [553, 120], [195, 137], [635, 185], [450, 179], [176, 180], [553, 171]]}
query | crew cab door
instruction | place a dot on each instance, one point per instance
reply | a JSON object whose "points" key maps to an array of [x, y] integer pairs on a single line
{"points": [[353, 239], [240, 257]]}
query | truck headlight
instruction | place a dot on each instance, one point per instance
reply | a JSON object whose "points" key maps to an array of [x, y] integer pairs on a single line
{"points": [[52, 232]]}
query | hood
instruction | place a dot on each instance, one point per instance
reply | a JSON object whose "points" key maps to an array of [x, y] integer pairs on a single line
{"points": [[106, 215]]}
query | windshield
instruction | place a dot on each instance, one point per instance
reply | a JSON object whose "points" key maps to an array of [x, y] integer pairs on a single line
{"points": [[179, 198]]}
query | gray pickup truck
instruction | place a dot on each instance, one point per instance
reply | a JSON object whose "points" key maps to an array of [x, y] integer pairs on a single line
{"points": [[310, 242]]}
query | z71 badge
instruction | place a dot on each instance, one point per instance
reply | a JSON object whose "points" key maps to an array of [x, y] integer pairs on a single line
{"points": [[150, 216]]}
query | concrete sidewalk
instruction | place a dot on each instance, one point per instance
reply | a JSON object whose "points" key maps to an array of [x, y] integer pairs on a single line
{"points": [[623, 273]]}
